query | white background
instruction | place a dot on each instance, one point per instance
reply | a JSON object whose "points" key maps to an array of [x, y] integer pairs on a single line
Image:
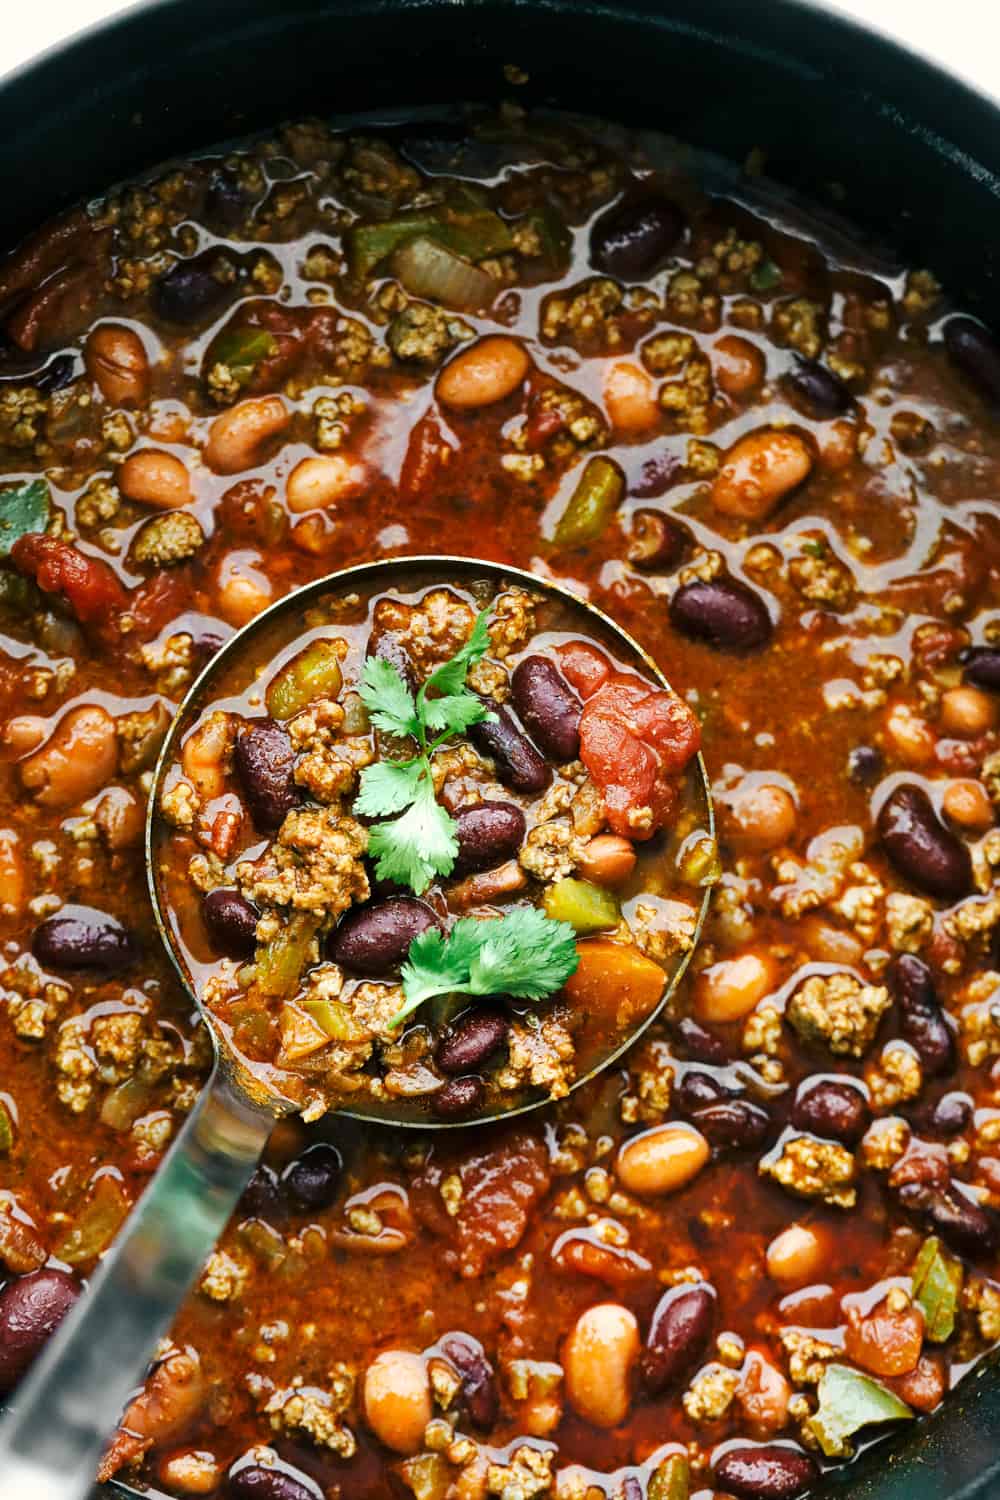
{"points": [[963, 35]]}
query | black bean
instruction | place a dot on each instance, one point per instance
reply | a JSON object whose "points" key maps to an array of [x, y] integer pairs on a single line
{"points": [[973, 350], [547, 707], [864, 765], [656, 541], [723, 612], [678, 1332], [264, 761], [635, 236], [314, 1177], [231, 921], [479, 1387], [375, 939], [699, 1043], [981, 667], [189, 293], [472, 1039], [697, 1089], [258, 1482], [81, 937], [656, 475], [488, 833], [459, 1098], [208, 634], [820, 391], [951, 1114], [31, 1308], [518, 763], [263, 1197], [732, 1124], [922, 849], [226, 201], [770, 1472], [922, 1020], [962, 1224], [833, 1108]]}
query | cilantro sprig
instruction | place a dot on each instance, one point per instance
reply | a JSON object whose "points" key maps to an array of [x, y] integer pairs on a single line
{"points": [[420, 842], [525, 954]]}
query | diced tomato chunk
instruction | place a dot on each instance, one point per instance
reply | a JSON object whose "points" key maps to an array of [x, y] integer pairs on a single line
{"points": [[89, 586], [668, 723], [583, 666]]}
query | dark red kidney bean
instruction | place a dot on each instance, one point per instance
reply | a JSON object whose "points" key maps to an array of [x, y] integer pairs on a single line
{"points": [[656, 475], [766, 1473], [951, 1114], [962, 1224], [518, 763], [459, 1098], [922, 849], [722, 612], [832, 1108], [226, 202], [981, 667], [479, 1386], [635, 236], [314, 1177], [700, 1044], [255, 1482], [231, 921], [678, 1332], [208, 634], [656, 541], [31, 1309], [81, 937], [697, 1089], [189, 293], [263, 1197], [375, 939], [471, 1041], [864, 765], [547, 707], [732, 1124], [820, 391], [922, 1020], [973, 350], [264, 761], [388, 647], [488, 833]]}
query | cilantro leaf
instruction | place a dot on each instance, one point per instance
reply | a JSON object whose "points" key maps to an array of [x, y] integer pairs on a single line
{"points": [[412, 849], [454, 712], [24, 508], [387, 787], [388, 700], [524, 954], [450, 676]]}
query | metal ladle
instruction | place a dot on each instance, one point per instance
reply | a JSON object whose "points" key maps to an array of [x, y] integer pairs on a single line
{"points": [[74, 1395]]}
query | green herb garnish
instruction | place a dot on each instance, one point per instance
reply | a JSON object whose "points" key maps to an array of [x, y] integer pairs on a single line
{"points": [[420, 843], [849, 1401], [524, 954], [24, 508], [937, 1285], [765, 276]]}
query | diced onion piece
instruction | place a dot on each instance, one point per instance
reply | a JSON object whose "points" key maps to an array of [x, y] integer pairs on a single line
{"points": [[430, 270]]}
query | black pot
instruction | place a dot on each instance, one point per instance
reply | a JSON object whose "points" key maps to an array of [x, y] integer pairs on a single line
{"points": [[914, 154]]}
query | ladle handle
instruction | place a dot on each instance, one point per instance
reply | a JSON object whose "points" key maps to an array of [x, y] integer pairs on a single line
{"points": [[72, 1399]]}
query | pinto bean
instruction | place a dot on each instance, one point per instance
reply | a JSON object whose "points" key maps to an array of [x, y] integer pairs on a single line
{"points": [[264, 762], [374, 939], [819, 390], [243, 587], [264, 1482], [732, 1124], [797, 1255], [678, 1332], [607, 859], [31, 1309], [661, 1160], [237, 437], [231, 921], [80, 937], [739, 365], [759, 471], [760, 817], [488, 833], [479, 1388], [770, 1472], [155, 478], [518, 764], [191, 1471], [12, 874], [922, 1020], [547, 707], [397, 1399], [722, 612], [473, 1039], [635, 236], [77, 760], [598, 1358], [968, 712], [115, 359], [314, 1177], [966, 804], [730, 989], [975, 352], [657, 542], [459, 1098], [630, 398], [981, 667], [316, 483], [832, 1108], [485, 372], [922, 849]]}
